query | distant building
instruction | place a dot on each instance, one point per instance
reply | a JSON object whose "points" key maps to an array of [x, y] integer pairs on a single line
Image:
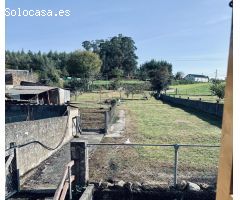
{"points": [[14, 77], [197, 78]]}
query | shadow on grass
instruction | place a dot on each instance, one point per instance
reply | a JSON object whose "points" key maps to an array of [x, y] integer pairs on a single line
{"points": [[211, 119]]}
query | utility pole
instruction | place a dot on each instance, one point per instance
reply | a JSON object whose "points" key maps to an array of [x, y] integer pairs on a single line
{"points": [[216, 74]]}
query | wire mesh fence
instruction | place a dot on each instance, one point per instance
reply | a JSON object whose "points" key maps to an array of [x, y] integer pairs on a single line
{"points": [[164, 164], [205, 91], [198, 164]]}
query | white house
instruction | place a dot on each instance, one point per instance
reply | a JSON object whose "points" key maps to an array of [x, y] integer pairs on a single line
{"points": [[197, 78]]}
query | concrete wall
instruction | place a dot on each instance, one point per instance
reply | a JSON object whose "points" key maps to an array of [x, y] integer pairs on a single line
{"points": [[109, 116], [47, 131], [72, 112], [64, 95], [18, 113], [211, 108], [88, 193]]}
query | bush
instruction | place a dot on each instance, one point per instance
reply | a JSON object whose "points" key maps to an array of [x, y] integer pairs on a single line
{"points": [[76, 85], [116, 84], [136, 88], [218, 89]]}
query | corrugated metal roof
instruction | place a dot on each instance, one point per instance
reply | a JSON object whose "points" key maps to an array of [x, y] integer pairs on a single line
{"points": [[29, 89]]}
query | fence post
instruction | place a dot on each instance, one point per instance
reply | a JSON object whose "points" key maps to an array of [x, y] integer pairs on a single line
{"points": [[18, 173], [16, 170], [12, 145], [106, 121], [80, 169], [176, 147], [70, 183]]}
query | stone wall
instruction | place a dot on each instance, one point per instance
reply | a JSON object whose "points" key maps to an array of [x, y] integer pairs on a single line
{"points": [[211, 108], [49, 131], [88, 193], [21, 75], [157, 194]]}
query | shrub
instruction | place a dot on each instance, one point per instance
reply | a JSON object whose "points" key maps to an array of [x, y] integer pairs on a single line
{"points": [[218, 89], [115, 84]]}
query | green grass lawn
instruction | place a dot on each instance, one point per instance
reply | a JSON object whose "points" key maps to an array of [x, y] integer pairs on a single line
{"points": [[161, 123], [152, 122], [194, 92], [191, 89]]}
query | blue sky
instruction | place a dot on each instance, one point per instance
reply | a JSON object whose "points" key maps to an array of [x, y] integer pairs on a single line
{"points": [[191, 34]]}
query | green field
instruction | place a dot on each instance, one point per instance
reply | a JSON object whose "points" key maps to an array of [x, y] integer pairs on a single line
{"points": [[192, 89], [152, 122], [194, 92], [107, 82], [161, 123]]}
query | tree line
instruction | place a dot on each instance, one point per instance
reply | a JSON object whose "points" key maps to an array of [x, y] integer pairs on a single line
{"points": [[112, 58]]}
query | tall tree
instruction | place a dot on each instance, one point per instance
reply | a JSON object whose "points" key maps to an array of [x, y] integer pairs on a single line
{"points": [[119, 52], [179, 75], [84, 64], [159, 73], [148, 69], [87, 45], [160, 79]]}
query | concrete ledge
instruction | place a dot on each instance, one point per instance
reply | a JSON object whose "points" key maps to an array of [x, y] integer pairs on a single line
{"points": [[88, 193]]}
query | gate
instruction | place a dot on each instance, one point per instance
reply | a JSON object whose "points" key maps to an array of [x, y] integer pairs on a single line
{"points": [[11, 172]]}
